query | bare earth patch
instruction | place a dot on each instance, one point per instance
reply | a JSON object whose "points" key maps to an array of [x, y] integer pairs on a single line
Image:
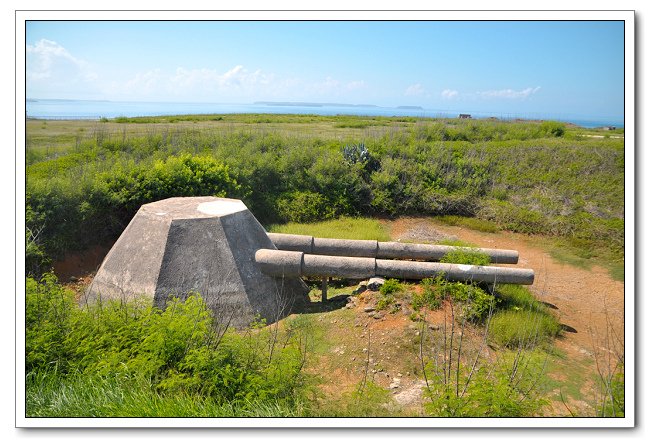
{"points": [[589, 303]]}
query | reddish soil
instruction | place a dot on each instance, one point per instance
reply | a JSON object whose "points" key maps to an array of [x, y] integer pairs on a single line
{"points": [[588, 302], [76, 265], [585, 300]]}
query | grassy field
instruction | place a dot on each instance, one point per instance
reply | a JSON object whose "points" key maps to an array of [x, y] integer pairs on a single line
{"points": [[86, 179], [327, 177]]}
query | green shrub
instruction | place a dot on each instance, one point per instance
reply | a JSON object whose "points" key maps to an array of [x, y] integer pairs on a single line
{"points": [[384, 303], [522, 328], [522, 321], [475, 302], [489, 392], [177, 351], [390, 286], [553, 128], [612, 403], [466, 256], [430, 297], [304, 207]]}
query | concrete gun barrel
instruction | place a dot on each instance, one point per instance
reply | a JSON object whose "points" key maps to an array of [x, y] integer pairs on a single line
{"points": [[280, 263], [377, 249]]}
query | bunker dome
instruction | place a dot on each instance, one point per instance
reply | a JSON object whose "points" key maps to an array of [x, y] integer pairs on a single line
{"points": [[179, 246]]}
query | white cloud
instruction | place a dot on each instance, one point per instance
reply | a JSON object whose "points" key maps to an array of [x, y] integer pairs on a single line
{"points": [[449, 94], [47, 59], [415, 90], [237, 77], [147, 82], [509, 93]]}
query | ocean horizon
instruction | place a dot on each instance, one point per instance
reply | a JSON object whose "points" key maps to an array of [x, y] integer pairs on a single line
{"points": [[62, 109]]}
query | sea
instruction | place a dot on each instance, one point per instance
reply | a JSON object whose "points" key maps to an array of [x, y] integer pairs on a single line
{"points": [[61, 109]]}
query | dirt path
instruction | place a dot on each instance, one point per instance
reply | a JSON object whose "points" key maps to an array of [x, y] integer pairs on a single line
{"points": [[588, 302], [585, 299]]}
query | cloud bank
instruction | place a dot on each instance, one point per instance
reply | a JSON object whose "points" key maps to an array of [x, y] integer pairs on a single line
{"points": [[509, 93]]}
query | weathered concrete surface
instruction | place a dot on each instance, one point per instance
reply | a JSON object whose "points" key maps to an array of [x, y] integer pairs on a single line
{"points": [[271, 261], [375, 249], [178, 246]]}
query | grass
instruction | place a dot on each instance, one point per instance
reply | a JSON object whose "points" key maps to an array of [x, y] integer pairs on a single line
{"points": [[565, 253], [522, 320], [346, 228], [456, 243], [466, 256], [482, 174], [120, 395]]}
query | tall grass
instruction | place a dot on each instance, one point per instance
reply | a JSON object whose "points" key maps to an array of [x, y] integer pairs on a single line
{"points": [[522, 321], [131, 359], [118, 394]]}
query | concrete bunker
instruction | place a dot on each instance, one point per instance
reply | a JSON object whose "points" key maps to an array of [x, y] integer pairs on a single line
{"points": [[215, 247], [179, 246]]}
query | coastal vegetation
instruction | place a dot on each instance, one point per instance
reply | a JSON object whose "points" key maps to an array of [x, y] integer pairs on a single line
{"points": [[85, 180], [481, 350]]}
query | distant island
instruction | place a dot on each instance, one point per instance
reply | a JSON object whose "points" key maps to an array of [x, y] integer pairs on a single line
{"points": [[410, 107], [298, 103]]}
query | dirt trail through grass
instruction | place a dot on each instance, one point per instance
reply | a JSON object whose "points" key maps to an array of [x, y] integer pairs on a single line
{"points": [[585, 299], [589, 303]]}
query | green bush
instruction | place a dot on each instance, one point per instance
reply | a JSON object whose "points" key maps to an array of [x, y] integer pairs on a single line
{"points": [[178, 351], [304, 207], [522, 321], [384, 303], [522, 328], [475, 303], [517, 176], [466, 256], [553, 128], [390, 286], [430, 297], [489, 392]]}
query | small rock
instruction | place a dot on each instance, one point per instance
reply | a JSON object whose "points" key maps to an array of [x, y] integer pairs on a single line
{"points": [[361, 288], [377, 315], [350, 305], [399, 375], [369, 309], [375, 283], [434, 327], [364, 350], [417, 333]]}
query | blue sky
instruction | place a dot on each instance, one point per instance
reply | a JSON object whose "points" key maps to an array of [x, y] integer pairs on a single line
{"points": [[532, 67]]}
